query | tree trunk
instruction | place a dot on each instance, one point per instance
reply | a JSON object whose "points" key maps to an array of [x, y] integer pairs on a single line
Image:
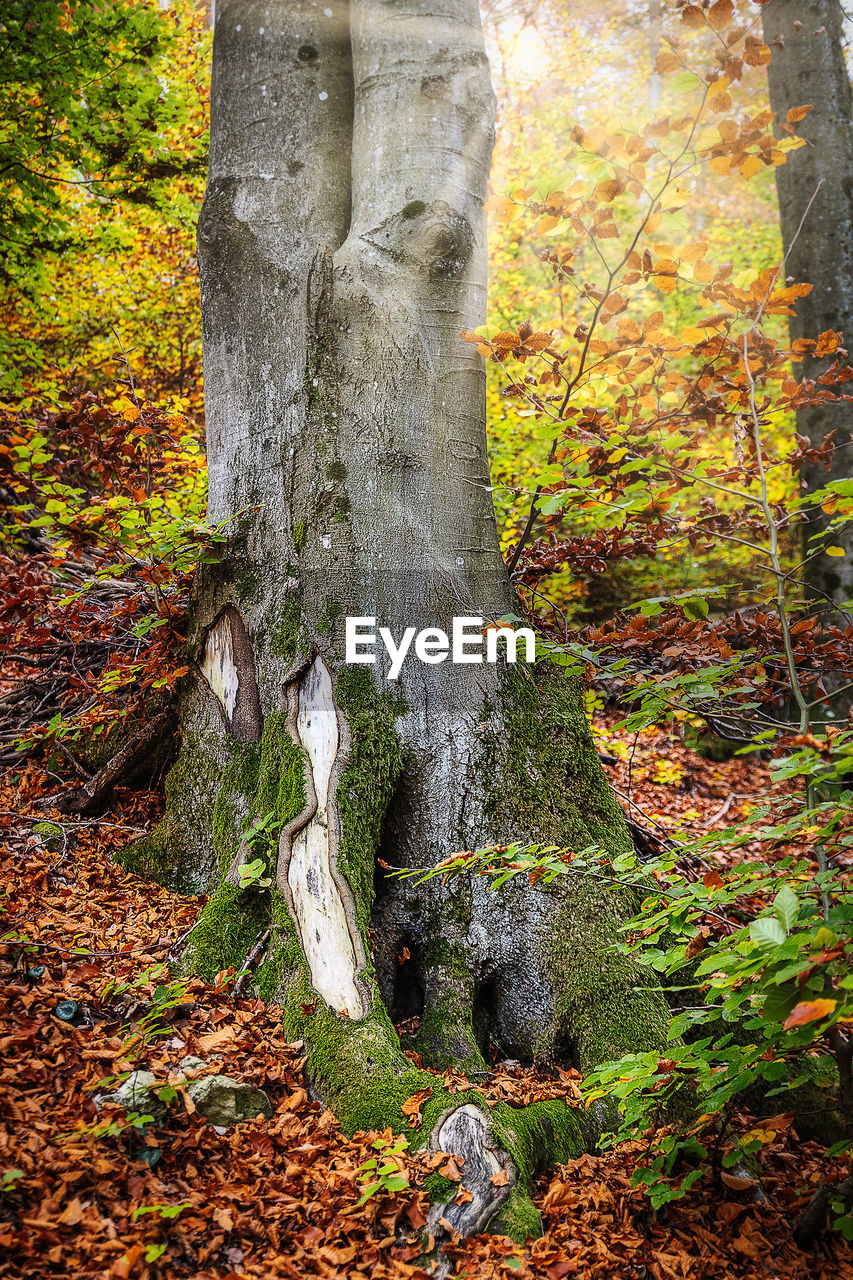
{"points": [[342, 249], [810, 69]]}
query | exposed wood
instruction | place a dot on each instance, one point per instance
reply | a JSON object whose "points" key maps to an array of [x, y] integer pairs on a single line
{"points": [[307, 870], [465, 1134]]}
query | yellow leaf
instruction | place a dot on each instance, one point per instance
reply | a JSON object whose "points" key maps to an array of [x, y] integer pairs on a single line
{"points": [[654, 321], [750, 166], [835, 551], [666, 284], [693, 335], [694, 252], [721, 164], [504, 210], [548, 223], [609, 189]]}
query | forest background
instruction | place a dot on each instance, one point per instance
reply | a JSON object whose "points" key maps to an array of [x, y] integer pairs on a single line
{"points": [[647, 473]]}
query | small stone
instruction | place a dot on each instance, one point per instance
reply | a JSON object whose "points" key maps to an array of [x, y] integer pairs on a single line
{"points": [[191, 1065], [137, 1094], [223, 1101]]}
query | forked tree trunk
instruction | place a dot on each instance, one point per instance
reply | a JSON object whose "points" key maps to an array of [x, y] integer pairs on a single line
{"points": [[815, 188], [342, 249]]}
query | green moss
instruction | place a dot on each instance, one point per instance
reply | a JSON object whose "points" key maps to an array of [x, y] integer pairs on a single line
{"points": [[336, 470], [440, 1189], [178, 852], [366, 784], [287, 640], [541, 770], [545, 784], [446, 1037], [332, 611], [281, 775], [517, 1218], [538, 1135], [227, 930], [269, 775], [51, 830], [283, 963], [414, 209], [300, 531]]}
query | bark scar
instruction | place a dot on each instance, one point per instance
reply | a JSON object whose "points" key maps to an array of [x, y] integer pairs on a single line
{"points": [[318, 895]]}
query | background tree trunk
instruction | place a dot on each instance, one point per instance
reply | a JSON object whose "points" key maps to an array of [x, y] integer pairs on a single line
{"points": [[810, 68], [342, 249]]}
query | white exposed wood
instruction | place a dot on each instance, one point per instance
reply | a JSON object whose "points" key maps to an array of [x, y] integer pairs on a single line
{"points": [[228, 665], [218, 665], [465, 1134], [317, 899]]}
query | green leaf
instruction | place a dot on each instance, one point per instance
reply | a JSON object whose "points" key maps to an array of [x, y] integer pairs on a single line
{"points": [[767, 932], [786, 906]]}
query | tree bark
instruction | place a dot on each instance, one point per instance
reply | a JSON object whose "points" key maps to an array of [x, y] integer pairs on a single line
{"points": [[342, 250], [808, 67]]}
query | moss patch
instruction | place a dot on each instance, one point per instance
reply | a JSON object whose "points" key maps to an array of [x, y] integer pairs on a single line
{"points": [[366, 784], [541, 771], [227, 930]]}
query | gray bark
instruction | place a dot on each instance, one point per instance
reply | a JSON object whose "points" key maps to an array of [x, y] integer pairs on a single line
{"points": [[342, 249], [810, 69]]}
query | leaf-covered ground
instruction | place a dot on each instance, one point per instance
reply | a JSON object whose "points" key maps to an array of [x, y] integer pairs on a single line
{"points": [[280, 1197]]}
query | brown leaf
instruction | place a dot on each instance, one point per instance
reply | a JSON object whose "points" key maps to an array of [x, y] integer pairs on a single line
{"points": [[735, 1183], [450, 1170], [72, 1215]]}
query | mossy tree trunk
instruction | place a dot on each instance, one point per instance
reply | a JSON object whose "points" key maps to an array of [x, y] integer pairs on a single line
{"points": [[342, 249]]}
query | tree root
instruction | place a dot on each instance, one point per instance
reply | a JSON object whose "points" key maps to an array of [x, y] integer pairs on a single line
{"points": [[812, 1222], [93, 796]]}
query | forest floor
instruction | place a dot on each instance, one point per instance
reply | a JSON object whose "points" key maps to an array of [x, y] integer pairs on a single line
{"points": [[279, 1197]]}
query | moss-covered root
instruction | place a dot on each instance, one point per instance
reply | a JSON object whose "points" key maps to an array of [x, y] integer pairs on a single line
{"points": [[361, 1073]]}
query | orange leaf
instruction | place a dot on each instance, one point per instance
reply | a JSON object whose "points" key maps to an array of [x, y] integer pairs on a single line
{"points": [[500, 1179], [808, 1011], [412, 1106], [451, 1170], [720, 14], [666, 61], [693, 17], [798, 113]]}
